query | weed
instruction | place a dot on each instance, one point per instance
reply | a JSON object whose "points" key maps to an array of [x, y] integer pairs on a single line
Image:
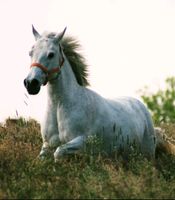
{"points": [[93, 175]]}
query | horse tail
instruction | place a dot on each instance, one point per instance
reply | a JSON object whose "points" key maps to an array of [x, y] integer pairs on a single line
{"points": [[164, 143]]}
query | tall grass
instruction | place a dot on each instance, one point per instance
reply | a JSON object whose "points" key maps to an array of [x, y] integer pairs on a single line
{"points": [[24, 176]]}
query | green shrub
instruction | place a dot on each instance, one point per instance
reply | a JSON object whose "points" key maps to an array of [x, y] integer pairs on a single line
{"points": [[161, 103]]}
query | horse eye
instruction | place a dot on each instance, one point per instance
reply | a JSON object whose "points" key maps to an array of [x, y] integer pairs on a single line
{"points": [[50, 55]]}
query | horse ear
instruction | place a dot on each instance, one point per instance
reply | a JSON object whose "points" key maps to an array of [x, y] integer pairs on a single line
{"points": [[35, 33], [59, 36]]}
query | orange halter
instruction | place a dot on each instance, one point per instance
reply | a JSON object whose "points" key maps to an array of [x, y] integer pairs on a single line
{"points": [[45, 70]]}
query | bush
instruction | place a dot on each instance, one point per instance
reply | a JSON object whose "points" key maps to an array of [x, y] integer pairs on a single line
{"points": [[162, 103]]}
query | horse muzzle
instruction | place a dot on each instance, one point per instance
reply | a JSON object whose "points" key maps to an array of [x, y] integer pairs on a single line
{"points": [[33, 86]]}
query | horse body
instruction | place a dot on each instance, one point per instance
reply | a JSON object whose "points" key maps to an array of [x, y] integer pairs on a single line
{"points": [[78, 112], [75, 112]]}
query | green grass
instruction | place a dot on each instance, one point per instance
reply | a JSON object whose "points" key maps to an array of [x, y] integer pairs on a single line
{"points": [[22, 175]]}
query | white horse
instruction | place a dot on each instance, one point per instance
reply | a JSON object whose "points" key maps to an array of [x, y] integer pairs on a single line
{"points": [[75, 112]]}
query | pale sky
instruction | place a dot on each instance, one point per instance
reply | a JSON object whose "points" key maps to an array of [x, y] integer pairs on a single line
{"points": [[127, 43]]}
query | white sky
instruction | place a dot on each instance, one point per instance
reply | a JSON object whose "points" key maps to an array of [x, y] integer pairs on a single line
{"points": [[128, 44]]}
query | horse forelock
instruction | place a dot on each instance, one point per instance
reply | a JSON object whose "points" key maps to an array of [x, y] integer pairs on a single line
{"points": [[77, 61]]}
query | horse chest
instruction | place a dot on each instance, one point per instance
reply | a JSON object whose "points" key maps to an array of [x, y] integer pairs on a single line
{"points": [[69, 124]]}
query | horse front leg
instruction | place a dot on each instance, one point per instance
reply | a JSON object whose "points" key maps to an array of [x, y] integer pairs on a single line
{"points": [[48, 146], [50, 134], [71, 147], [44, 150]]}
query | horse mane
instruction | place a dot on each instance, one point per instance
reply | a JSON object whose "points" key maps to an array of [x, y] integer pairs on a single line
{"points": [[78, 63]]}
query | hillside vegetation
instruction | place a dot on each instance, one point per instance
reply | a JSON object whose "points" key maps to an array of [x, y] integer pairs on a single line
{"points": [[22, 175]]}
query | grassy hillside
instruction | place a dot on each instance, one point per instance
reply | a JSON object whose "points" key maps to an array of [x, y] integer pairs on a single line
{"points": [[22, 175]]}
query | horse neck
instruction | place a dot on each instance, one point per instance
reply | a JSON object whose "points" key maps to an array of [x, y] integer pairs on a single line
{"points": [[65, 87]]}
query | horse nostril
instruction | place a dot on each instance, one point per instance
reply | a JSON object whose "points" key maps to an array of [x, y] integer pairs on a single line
{"points": [[32, 86], [34, 83], [25, 83]]}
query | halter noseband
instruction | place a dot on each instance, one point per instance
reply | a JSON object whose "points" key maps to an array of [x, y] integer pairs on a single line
{"points": [[49, 72], [45, 69]]}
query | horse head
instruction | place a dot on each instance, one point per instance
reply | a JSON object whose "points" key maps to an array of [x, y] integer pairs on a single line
{"points": [[46, 58]]}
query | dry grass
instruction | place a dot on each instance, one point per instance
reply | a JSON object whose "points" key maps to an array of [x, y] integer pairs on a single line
{"points": [[24, 176]]}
